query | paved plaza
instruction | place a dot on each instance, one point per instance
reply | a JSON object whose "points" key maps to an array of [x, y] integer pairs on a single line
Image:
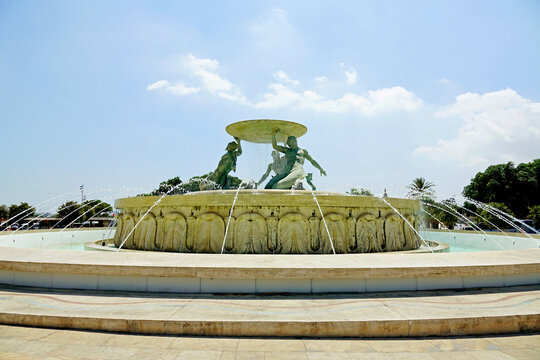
{"points": [[37, 343]]}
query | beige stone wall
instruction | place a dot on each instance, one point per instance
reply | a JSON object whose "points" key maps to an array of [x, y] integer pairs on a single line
{"points": [[266, 222]]}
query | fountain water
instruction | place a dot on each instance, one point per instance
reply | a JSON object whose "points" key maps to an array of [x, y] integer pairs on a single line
{"points": [[230, 216], [142, 217], [501, 215], [324, 221], [406, 221]]}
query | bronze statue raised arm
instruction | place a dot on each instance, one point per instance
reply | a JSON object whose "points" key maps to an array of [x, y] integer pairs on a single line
{"points": [[295, 164], [220, 176], [278, 165]]}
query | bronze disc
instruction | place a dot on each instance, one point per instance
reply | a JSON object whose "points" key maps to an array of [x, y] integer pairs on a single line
{"points": [[261, 130]]}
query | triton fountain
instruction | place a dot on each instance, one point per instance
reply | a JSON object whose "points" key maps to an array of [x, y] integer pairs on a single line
{"points": [[276, 220], [210, 241]]}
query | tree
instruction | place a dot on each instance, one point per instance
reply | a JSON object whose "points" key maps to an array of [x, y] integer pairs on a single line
{"points": [[166, 186], [534, 215], [516, 187], [361, 192], [175, 186], [91, 208], [73, 211], [420, 189], [495, 220], [444, 212], [68, 212], [4, 212], [23, 207]]}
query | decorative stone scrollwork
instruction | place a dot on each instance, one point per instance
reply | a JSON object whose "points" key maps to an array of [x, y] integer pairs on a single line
{"points": [[293, 229], [350, 226], [393, 231], [381, 241], [128, 222], [273, 245], [338, 232], [366, 234], [148, 232], [119, 229], [412, 241], [286, 224], [314, 235], [191, 233], [174, 233], [251, 228], [231, 232], [210, 230]]}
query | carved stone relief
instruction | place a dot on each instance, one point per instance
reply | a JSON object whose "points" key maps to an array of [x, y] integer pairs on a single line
{"points": [[293, 230], [174, 233], [251, 234], [393, 230], [366, 234], [209, 234], [336, 228]]}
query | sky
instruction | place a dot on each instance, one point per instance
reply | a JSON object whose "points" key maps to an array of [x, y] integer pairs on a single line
{"points": [[121, 95]]}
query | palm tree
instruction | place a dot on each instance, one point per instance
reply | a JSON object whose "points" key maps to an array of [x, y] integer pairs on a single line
{"points": [[420, 188]]}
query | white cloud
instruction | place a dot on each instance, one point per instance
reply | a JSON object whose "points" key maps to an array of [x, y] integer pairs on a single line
{"points": [[283, 77], [321, 79], [281, 95], [178, 89], [497, 127], [375, 102], [206, 70], [158, 85], [445, 81], [350, 74]]}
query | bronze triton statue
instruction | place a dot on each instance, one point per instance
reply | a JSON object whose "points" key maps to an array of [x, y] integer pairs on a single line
{"points": [[295, 164], [220, 176]]}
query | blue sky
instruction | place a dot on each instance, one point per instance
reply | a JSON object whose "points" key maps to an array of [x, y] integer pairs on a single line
{"points": [[120, 95]]}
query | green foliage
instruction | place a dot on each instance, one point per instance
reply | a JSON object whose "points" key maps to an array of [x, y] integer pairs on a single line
{"points": [[534, 215], [440, 211], [95, 208], [166, 186], [361, 192], [192, 185], [419, 188], [15, 210], [4, 212], [71, 211], [494, 219], [516, 187]]}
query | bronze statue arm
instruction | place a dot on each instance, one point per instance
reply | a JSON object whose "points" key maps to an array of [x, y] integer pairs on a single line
{"points": [[239, 150], [265, 174], [275, 145], [316, 164]]}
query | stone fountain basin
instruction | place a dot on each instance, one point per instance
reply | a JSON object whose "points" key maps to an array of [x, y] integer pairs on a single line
{"points": [[266, 222]]}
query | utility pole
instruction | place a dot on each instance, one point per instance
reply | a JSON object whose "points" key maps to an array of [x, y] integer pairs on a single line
{"points": [[82, 193]]}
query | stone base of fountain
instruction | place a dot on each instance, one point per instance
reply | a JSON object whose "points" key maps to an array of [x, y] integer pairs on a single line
{"points": [[266, 222]]}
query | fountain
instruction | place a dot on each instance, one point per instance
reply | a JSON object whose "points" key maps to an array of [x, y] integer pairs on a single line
{"points": [[209, 242], [276, 220]]}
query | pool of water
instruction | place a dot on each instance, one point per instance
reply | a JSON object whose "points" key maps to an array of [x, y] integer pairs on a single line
{"points": [[68, 247], [456, 249], [458, 241]]}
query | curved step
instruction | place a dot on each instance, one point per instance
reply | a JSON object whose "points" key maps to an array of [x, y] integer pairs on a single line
{"points": [[420, 313]]}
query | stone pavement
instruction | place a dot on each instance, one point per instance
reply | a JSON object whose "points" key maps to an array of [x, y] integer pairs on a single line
{"points": [[38, 343]]}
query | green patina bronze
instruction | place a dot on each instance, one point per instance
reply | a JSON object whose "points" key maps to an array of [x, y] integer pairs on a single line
{"points": [[295, 164], [220, 176]]}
